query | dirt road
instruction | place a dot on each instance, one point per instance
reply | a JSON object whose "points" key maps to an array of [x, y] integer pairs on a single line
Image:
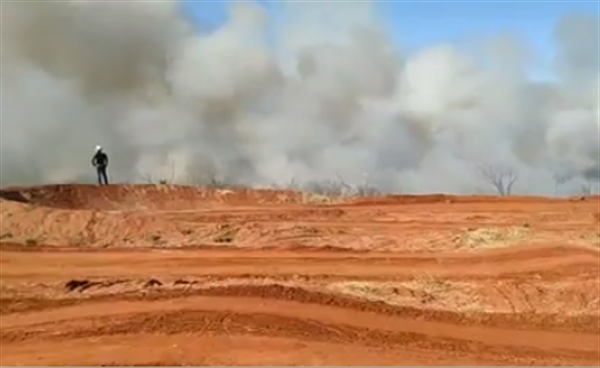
{"points": [[175, 276]]}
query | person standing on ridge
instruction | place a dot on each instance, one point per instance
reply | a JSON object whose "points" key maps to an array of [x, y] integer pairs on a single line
{"points": [[100, 161]]}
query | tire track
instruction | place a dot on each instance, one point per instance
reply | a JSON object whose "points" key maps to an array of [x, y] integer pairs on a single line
{"points": [[553, 261], [287, 293], [272, 325], [12, 309]]}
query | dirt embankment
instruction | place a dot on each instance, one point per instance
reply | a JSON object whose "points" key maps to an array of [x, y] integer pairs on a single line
{"points": [[140, 275]]}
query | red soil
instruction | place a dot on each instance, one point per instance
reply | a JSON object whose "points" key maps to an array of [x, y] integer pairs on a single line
{"points": [[164, 275]]}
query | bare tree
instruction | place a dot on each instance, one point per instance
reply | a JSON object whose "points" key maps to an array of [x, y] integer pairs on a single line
{"points": [[333, 188], [501, 177], [560, 179], [366, 189], [327, 187], [148, 178], [587, 188]]}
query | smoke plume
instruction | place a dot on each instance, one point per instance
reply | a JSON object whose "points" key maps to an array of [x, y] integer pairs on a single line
{"points": [[322, 94]]}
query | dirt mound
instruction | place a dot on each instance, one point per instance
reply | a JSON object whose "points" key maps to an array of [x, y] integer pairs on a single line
{"points": [[448, 198], [260, 324], [179, 197], [489, 280], [277, 312], [152, 197]]}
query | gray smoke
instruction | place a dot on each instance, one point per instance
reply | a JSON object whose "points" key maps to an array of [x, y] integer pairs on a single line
{"points": [[326, 97]]}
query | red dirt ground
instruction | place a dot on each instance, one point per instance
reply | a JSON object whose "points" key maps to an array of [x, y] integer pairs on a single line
{"points": [[165, 275]]}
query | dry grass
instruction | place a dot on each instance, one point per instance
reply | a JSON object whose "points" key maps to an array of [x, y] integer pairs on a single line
{"points": [[376, 291], [423, 290], [594, 240], [321, 199], [581, 237], [490, 238], [429, 284], [445, 294]]}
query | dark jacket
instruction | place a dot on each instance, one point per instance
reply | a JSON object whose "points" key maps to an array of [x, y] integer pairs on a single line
{"points": [[100, 159]]}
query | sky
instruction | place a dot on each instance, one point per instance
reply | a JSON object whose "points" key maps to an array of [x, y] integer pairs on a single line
{"points": [[418, 24]]}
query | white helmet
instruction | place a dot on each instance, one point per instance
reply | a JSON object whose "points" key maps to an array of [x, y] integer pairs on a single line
{"points": [[98, 148]]}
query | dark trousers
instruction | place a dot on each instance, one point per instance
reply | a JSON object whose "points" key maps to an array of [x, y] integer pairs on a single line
{"points": [[102, 175]]}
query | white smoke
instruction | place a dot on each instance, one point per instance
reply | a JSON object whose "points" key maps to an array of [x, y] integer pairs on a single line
{"points": [[326, 96]]}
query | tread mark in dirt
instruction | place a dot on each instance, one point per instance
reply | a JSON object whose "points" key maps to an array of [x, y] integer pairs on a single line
{"points": [[525, 295], [195, 321], [506, 299], [548, 322], [88, 231]]}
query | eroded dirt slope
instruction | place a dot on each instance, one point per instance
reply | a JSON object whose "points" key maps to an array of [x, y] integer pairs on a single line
{"points": [[176, 275]]}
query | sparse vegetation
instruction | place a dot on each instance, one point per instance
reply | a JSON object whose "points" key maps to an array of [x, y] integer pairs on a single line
{"points": [[31, 242], [224, 238], [368, 290], [428, 287], [213, 182], [6, 236], [151, 179], [486, 238], [313, 198], [430, 283], [423, 290], [560, 179], [76, 241], [339, 188], [227, 234], [587, 188], [156, 239], [501, 177], [594, 239]]}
